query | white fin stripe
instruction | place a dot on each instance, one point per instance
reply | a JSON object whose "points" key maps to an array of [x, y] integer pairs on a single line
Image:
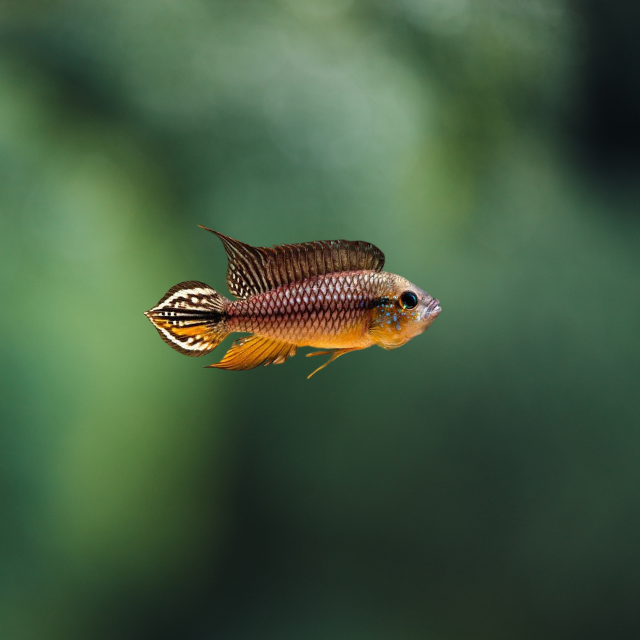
{"points": [[194, 346]]}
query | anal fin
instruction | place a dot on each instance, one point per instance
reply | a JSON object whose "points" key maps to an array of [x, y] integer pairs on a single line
{"points": [[253, 351]]}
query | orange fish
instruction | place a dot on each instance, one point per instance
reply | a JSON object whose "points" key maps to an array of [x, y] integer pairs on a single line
{"points": [[332, 295]]}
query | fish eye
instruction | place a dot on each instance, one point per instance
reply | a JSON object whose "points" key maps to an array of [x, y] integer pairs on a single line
{"points": [[408, 300]]}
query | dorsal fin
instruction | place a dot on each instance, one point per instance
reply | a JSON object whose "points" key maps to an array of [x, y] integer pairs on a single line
{"points": [[254, 270]]}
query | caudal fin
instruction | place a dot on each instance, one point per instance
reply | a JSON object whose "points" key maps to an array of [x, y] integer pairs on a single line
{"points": [[190, 318]]}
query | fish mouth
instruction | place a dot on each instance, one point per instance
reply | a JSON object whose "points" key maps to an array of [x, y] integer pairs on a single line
{"points": [[433, 308]]}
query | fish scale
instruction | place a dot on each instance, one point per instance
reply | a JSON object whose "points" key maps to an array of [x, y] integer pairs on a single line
{"points": [[329, 294], [336, 302]]}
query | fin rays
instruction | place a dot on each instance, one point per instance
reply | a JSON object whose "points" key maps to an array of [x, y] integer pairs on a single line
{"points": [[254, 270], [253, 351], [190, 318], [334, 354]]}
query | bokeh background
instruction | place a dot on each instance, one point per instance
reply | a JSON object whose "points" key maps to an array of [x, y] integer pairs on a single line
{"points": [[481, 482]]}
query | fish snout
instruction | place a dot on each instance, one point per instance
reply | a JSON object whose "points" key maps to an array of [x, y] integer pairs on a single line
{"points": [[433, 308]]}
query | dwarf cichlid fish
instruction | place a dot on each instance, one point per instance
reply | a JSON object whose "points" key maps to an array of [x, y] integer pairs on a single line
{"points": [[332, 295]]}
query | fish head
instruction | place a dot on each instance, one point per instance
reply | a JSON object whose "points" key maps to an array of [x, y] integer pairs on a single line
{"points": [[402, 312]]}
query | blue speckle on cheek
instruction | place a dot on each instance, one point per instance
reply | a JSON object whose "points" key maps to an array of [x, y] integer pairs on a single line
{"points": [[395, 318], [398, 327]]}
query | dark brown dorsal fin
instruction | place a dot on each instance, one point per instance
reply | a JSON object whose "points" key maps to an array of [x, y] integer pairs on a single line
{"points": [[254, 270]]}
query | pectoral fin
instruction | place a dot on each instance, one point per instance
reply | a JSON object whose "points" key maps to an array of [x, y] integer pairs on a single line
{"points": [[334, 354], [253, 351]]}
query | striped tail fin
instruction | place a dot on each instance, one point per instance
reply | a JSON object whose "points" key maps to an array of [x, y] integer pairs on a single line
{"points": [[191, 318]]}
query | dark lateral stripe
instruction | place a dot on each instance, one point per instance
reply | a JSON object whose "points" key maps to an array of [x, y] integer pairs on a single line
{"points": [[191, 314]]}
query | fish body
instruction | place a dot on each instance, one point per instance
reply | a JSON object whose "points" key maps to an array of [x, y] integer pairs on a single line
{"points": [[330, 295]]}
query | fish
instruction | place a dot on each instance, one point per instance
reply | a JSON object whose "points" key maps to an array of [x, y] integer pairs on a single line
{"points": [[331, 295]]}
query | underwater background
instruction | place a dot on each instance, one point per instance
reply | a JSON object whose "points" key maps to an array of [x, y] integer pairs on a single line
{"points": [[481, 482]]}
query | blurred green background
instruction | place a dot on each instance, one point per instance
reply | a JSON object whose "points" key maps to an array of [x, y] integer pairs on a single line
{"points": [[481, 482]]}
